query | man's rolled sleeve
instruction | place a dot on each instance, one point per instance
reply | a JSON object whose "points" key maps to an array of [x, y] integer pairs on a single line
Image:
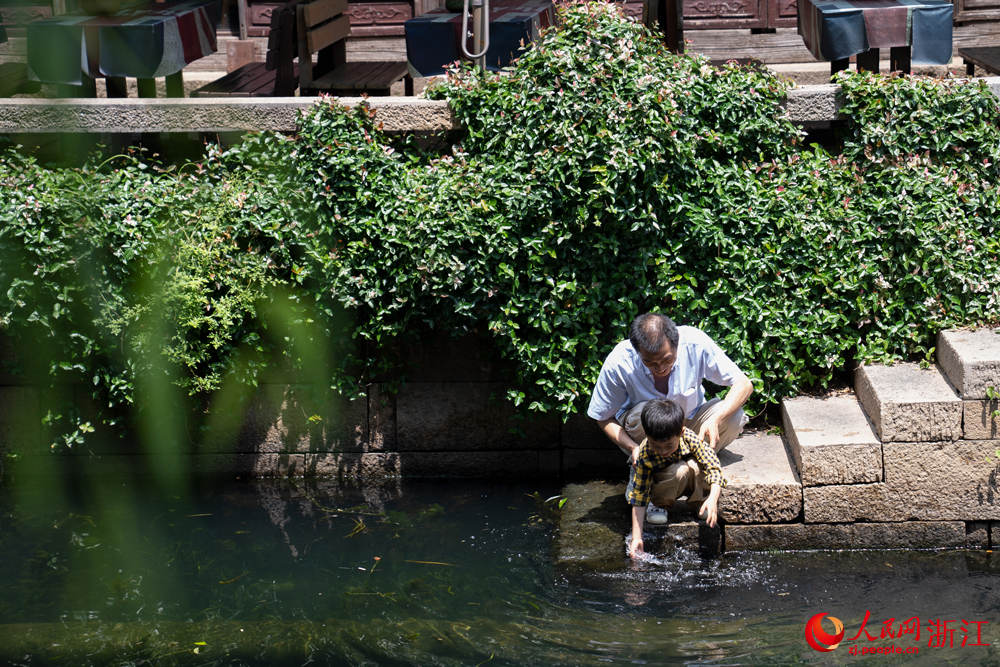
{"points": [[609, 394], [718, 367]]}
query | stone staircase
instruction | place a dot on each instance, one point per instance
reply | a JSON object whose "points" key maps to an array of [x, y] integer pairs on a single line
{"points": [[910, 459]]}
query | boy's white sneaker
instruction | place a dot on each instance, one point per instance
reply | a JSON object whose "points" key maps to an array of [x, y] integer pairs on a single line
{"points": [[656, 515]]}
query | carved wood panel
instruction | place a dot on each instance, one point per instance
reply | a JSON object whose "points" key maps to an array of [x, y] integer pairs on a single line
{"points": [[782, 13], [259, 18], [725, 14]]}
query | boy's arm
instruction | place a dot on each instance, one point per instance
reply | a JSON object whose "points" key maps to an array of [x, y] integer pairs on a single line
{"points": [[710, 508], [709, 461], [635, 547]]}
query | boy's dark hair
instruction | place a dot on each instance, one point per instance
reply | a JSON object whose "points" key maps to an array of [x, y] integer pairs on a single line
{"points": [[650, 331], [662, 419]]}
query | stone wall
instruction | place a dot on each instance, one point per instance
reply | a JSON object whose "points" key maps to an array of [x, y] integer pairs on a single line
{"points": [[448, 419]]}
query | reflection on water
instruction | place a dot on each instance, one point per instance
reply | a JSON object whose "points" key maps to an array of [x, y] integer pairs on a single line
{"points": [[444, 573]]}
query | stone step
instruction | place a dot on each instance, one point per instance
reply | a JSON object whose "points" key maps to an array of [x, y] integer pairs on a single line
{"points": [[971, 360], [908, 403], [831, 440], [763, 485]]}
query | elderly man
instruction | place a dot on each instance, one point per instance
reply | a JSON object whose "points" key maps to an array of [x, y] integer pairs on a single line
{"points": [[663, 361]]}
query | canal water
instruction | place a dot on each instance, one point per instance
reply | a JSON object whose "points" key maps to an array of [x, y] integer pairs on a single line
{"points": [[443, 573]]}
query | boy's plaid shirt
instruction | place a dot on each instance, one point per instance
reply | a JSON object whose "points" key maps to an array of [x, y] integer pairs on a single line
{"points": [[640, 479]]}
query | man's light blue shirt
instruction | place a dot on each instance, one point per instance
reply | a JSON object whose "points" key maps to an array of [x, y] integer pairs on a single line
{"points": [[624, 381]]}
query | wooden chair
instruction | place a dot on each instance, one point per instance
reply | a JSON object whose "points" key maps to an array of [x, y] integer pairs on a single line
{"points": [[277, 76], [987, 57], [323, 27]]}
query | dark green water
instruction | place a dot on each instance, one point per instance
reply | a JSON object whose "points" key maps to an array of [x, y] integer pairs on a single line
{"points": [[443, 573]]}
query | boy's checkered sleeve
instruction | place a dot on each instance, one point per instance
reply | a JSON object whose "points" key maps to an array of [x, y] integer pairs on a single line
{"points": [[640, 481], [709, 461]]}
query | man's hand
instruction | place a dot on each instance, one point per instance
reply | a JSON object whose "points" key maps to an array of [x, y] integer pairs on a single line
{"points": [[634, 456], [635, 547], [709, 432]]}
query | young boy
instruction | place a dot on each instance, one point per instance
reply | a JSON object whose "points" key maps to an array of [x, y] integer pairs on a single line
{"points": [[672, 462]]}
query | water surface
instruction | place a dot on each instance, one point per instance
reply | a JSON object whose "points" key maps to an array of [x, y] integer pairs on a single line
{"points": [[282, 572]]}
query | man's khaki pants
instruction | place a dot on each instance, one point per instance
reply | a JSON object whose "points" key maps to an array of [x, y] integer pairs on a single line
{"points": [[729, 430]]}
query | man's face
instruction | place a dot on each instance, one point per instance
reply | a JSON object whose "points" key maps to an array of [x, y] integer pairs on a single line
{"points": [[661, 363], [665, 447]]}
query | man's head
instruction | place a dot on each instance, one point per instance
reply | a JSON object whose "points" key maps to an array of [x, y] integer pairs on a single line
{"points": [[654, 337], [663, 422]]}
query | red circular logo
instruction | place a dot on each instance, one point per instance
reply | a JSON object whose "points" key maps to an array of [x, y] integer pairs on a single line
{"points": [[818, 638]]}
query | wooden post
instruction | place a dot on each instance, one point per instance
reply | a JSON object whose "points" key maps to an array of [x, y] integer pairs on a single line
{"points": [[175, 84], [868, 61], [241, 10]]}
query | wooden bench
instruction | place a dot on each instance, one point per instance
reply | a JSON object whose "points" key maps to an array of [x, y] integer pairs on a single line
{"points": [[14, 80], [987, 57], [323, 27], [277, 76]]}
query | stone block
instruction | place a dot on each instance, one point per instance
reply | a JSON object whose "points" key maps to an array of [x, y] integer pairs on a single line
{"points": [[907, 403], [831, 440], [939, 481], [906, 535], [943, 480], [445, 359], [971, 360], [282, 418], [381, 419], [606, 462], [977, 535], [467, 416], [582, 432], [978, 420], [763, 485], [844, 503], [350, 467]]}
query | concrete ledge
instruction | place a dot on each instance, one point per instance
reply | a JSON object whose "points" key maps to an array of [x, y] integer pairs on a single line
{"points": [[807, 105], [396, 114], [906, 535]]}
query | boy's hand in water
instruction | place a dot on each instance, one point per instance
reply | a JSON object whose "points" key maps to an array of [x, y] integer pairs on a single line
{"points": [[635, 546], [710, 512]]}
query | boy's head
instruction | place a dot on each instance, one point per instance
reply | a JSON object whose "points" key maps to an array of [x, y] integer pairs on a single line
{"points": [[663, 422]]}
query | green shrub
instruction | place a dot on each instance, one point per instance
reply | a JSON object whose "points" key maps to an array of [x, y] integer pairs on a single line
{"points": [[598, 178]]}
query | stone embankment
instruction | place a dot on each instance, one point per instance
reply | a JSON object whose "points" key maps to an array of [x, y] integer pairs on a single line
{"points": [[910, 459]]}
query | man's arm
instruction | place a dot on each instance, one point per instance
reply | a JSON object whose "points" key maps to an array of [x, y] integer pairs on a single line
{"points": [[618, 435], [635, 547], [737, 396]]}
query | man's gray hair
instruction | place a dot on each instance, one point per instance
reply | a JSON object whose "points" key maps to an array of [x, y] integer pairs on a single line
{"points": [[650, 331]]}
